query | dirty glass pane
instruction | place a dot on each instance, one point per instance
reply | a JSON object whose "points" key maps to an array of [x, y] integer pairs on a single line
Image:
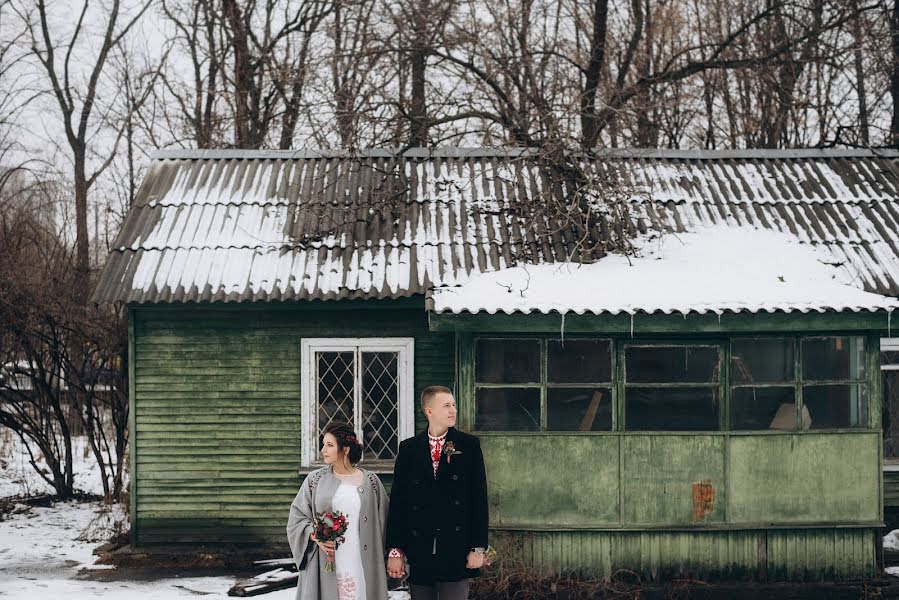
{"points": [[755, 408], [671, 409], [762, 360], [833, 358], [579, 409], [579, 361], [890, 389], [335, 387], [834, 406], [507, 409], [507, 361], [671, 364], [380, 398]]}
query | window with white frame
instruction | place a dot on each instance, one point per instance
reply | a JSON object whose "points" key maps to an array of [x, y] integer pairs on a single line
{"points": [[366, 382]]}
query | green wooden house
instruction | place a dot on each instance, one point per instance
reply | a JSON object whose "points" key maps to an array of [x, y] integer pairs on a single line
{"points": [[709, 406]]}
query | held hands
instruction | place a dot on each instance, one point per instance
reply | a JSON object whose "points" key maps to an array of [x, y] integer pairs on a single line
{"points": [[475, 560], [395, 567], [326, 547]]}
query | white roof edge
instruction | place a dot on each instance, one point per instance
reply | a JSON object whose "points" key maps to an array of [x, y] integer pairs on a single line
{"points": [[454, 152]]}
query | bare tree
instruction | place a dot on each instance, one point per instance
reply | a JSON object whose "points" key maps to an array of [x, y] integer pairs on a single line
{"points": [[76, 101]]}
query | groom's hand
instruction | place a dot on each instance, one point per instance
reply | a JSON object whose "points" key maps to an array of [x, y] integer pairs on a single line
{"points": [[475, 560], [395, 567]]}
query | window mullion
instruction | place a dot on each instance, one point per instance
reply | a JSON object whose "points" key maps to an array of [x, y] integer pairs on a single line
{"points": [[357, 392], [543, 377], [797, 372]]}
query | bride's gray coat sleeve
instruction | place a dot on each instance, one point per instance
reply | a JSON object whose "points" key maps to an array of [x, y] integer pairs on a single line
{"points": [[299, 526]]}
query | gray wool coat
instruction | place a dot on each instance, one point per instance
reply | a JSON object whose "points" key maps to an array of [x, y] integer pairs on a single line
{"points": [[314, 498]]}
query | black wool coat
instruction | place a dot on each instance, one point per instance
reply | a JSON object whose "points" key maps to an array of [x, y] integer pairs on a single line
{"points": [[449, 509]]}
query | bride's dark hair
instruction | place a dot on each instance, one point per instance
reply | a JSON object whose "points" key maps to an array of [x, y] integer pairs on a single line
{"points": [[346, 438]]}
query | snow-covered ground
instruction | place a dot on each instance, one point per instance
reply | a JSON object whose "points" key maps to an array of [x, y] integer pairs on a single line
{"points": [[47, 551], [18, 477]]}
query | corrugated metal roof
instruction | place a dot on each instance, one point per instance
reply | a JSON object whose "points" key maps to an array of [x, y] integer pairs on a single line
{"points": [[248, 225]]}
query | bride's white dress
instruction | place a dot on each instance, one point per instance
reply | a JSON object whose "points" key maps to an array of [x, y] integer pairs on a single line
{"points": [[348, 557]]}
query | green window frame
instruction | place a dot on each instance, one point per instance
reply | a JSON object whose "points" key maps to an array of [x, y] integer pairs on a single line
{"points": [[858, 385], [544, 388]]}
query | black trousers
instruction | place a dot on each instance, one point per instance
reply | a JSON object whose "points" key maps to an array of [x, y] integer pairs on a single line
{"points": [[444, 590]]}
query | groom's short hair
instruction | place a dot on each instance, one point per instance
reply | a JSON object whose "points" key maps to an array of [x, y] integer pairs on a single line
{"points": [[428, 394]]}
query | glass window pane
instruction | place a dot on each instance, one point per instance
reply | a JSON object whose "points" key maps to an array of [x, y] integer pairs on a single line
{"points": [[762, 360], [833, 406], [890, 357], [579, 409], [890, 389], [671, 364], [756, 408], [335, 387], [380, 398], [579, 361], [671, 409], [832, 358], [504, 409], [507, 361]]}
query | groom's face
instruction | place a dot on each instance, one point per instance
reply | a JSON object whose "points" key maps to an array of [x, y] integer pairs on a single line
{"points": [[442, 410]]}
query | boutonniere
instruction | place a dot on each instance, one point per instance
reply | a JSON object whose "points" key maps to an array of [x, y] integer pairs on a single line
{"points": [[449, 449]]}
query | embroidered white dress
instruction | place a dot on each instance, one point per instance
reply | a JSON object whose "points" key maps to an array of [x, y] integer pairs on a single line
{"points": [[348, 557]]}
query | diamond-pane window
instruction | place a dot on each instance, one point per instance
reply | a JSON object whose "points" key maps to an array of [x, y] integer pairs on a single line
{"points": [[364, 382]]}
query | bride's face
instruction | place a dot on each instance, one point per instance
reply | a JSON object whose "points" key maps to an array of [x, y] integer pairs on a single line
{"points": [[330, 451]]}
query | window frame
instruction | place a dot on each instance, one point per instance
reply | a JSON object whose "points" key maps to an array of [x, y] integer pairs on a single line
{"points": [[723, 346], [543, 385], [870, 380], [404, 346]]}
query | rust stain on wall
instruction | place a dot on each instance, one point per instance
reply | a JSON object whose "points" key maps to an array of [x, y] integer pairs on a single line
{"points": [[703, 499]]}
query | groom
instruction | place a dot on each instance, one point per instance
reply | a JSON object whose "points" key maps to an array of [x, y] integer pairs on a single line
{"points": [[438, 505]]}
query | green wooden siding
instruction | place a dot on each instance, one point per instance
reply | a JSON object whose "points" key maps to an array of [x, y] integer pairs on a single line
{"points": [[217, 411], [216, 439], [774, 555], [635, 481]]}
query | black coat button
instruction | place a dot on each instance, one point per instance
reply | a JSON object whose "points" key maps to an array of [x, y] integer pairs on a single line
{"points": [[364, 519], [458, 528], [365, 547], [455, 477]]}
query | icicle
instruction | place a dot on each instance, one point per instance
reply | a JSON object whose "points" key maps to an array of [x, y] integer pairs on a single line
{"points": [[562, 332], [889, 324], [719, 318], [632, 324]]}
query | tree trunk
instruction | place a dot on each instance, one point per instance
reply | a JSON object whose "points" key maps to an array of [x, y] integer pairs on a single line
{"points": [[894, 76], [590, 126], [82, 243]]}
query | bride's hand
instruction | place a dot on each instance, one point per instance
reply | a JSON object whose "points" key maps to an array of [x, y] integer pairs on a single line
{"points": [[327, 547]]}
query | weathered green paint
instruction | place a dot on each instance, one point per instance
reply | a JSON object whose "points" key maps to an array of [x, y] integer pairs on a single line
{"points": [[658, 477], [781, 554], [216, 432], [573, 481], [805, 478], [551, 481], [660, 323], [216, 413]]}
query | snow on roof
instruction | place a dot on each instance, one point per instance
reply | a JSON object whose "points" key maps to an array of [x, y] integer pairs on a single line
{"points": [[713, 269], [236, 226]]}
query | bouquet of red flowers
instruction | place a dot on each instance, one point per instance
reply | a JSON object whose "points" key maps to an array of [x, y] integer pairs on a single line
{"points": [[330, 527]]}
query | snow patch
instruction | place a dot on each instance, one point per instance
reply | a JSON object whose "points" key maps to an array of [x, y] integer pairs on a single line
{"points": [[711, 269]]}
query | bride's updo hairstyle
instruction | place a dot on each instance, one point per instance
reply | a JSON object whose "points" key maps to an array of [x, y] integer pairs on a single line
{"points": [[346, 438]]}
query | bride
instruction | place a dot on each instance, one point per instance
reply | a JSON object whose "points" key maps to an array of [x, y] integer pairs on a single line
{"points": [[340, 485]]}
